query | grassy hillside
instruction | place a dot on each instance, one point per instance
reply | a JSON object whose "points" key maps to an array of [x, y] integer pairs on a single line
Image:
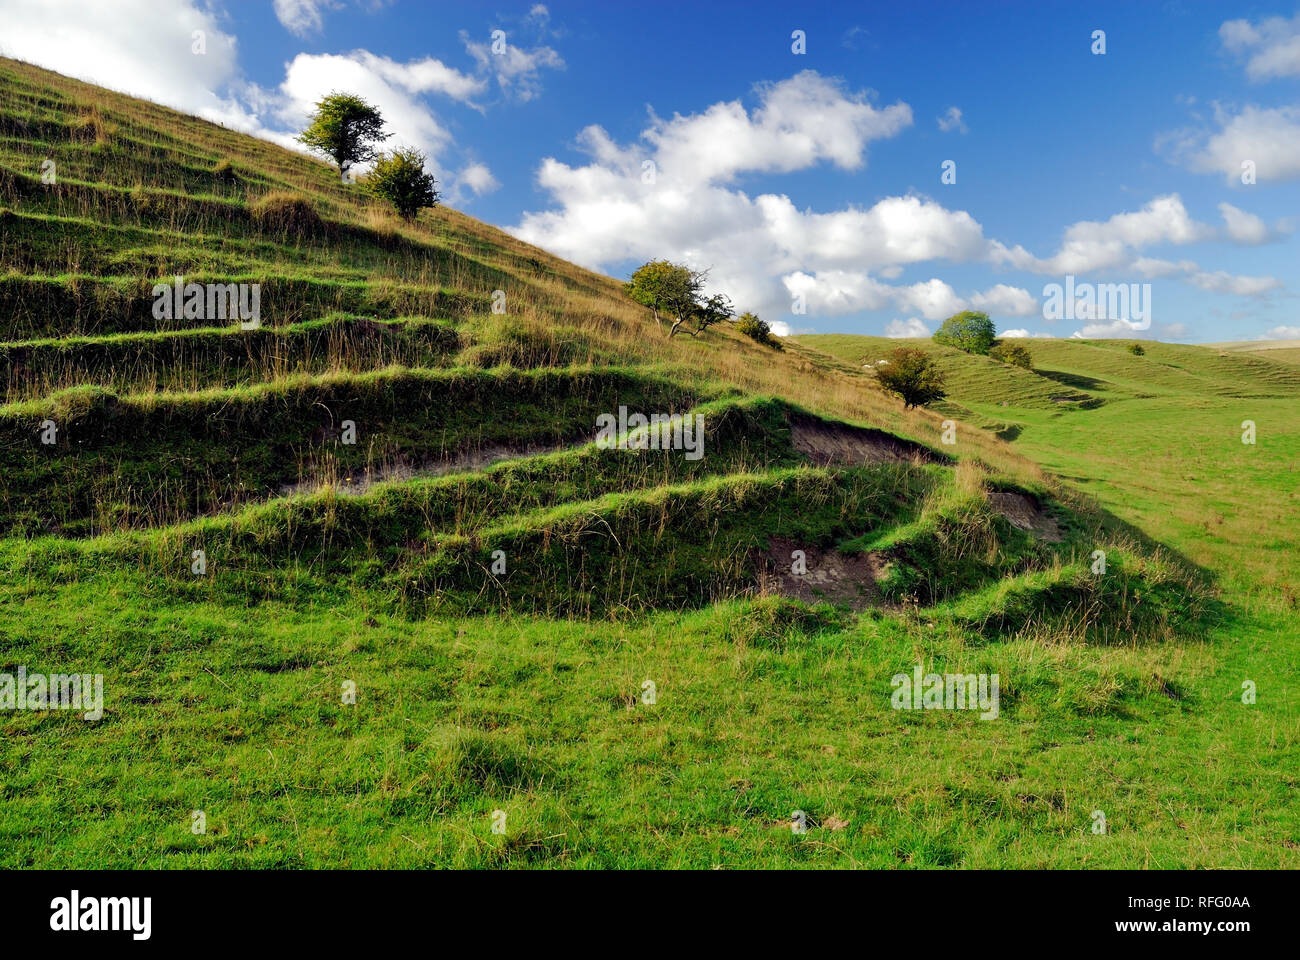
{"points": [[1156, 439], [1282, 351], [368, 653]]}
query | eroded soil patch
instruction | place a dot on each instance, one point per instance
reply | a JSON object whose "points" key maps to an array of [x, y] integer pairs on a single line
{"points": [[843, 579], [840, 444], [1025, 513]]}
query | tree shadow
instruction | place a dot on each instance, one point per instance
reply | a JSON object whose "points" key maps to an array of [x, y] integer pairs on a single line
{"points": [[1009, 432]]}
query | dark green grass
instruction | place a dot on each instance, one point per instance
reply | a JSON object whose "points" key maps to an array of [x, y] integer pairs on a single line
{"points": [[332, 531], [160, 458], [51, 306], [224, 357], [71, 228]]}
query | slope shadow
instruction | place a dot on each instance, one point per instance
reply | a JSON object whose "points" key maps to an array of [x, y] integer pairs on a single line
{"points": [[1078, 381]]}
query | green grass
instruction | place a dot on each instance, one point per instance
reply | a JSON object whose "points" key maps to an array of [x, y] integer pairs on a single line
{"points": [[225, 356], [758, 713], [521, 690], [149, 459]]}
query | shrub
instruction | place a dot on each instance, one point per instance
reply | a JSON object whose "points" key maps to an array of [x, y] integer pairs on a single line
{"points": [[1137, 350], [775, 623], [969, 330], [1013, 353], [757, 330], [517, 342], [400, 179], [286, 215], [715, 309], [913, 376]]}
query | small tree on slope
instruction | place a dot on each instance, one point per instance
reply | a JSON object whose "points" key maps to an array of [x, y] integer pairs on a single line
{"points": [[912, 375], [670, 287], [400, 179], [1013, 353], [757, 330], [346, 129]]}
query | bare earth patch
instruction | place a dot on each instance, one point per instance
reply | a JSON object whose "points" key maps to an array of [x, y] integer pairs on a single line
{"points": [[1025, 513], [844, 579], [840, 444]]}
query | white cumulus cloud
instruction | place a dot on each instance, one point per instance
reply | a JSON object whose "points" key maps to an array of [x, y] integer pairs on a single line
{"points": [[1099, 245], [951, 120], [1265, 140], [1006, 300], [302, 17], [671, 193], [1248, 229], [1271, 47], [135, 46], [1222, 282], [1151, 268], [911, 328], [478, 177]]}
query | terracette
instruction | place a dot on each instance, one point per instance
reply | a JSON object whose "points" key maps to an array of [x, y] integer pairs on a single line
{"points": [[827, 443], [353, 482]]}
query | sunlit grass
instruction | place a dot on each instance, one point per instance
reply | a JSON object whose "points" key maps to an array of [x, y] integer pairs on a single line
{"points": [[521, 690]]}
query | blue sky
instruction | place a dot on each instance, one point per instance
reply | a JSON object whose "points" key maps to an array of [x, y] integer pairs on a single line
{"points": [[810, 184]]}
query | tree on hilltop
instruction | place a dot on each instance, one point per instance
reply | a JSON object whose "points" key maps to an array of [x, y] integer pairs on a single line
{"points": [[969, 330]]}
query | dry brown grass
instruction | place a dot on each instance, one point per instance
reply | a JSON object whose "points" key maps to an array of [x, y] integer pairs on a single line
{"points": [[93, 127], [284, 214]]}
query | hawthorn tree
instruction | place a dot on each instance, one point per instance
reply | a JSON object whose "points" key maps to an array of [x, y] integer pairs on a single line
{"points": [[969, 330], [678, 291], [760, 331], [1013, 353], [346, 129], [665, 286], [715, 309], [400, 179], [912, 375]]}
